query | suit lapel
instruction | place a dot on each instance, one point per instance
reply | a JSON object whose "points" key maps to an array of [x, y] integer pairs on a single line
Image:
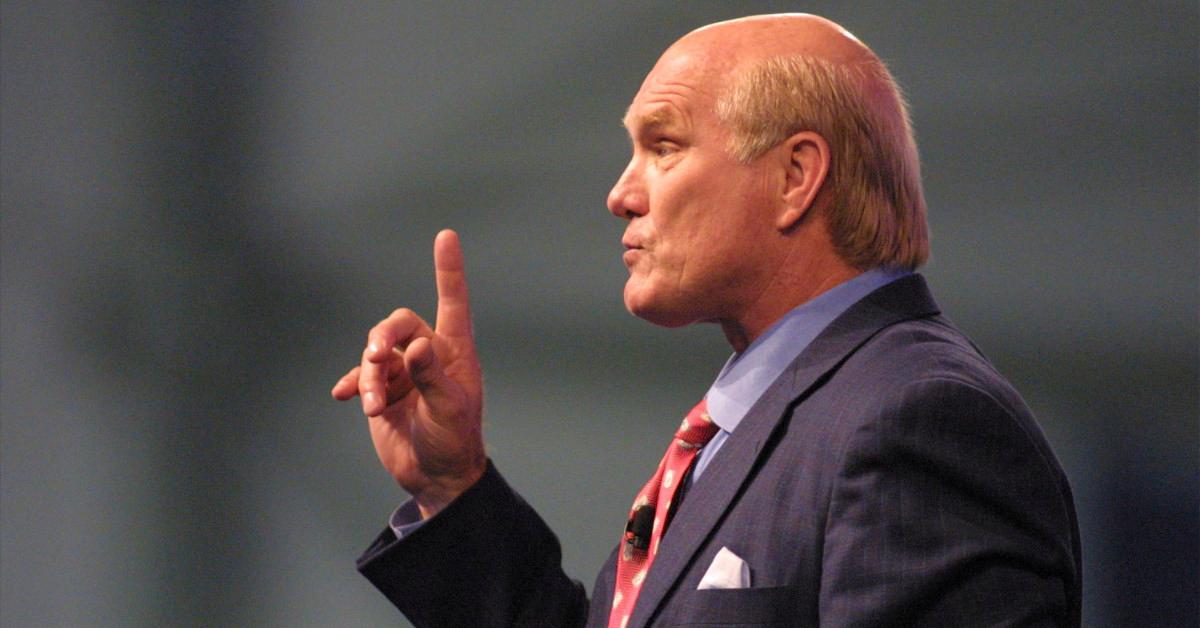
{"points": [[712, 495]]}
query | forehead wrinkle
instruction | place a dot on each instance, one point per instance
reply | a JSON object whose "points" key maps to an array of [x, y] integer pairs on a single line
{"points": [[668, 103], [687, 93]]}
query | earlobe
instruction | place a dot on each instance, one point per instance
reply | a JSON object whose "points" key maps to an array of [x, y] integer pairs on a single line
{"points": [[807, 168]]}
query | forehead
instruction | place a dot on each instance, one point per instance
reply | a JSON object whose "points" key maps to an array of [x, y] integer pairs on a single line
{"points": [[680, 88]]}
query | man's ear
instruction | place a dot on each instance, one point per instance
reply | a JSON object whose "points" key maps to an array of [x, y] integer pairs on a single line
{"points": [[807, 167]]}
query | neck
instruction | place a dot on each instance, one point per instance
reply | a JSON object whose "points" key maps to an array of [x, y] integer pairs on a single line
{"points": [[785, 292]]}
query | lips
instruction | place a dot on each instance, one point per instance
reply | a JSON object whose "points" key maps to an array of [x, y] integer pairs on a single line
{"points": [[633, 248]]}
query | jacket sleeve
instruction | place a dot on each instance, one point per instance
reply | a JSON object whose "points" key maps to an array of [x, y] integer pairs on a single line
{"points": [[950, 510], [486, 560]]}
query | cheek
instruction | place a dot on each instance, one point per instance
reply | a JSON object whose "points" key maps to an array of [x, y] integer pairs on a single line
{"points": [[698, 214]]}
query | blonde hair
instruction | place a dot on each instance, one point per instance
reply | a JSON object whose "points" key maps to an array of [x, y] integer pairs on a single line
{"points": [[876, 209]]}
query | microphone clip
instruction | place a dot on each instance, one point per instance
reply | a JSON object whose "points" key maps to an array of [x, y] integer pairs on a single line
{"points": [[640, 527]]}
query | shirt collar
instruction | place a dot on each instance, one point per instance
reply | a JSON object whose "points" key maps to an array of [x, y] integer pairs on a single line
{"points": [[747, 375]]}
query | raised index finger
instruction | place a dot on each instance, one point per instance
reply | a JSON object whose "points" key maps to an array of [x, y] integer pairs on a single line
{"points": [[454, 307]]}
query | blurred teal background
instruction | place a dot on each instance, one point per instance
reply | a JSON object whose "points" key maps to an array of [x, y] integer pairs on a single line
{"points": [[206, 205]]}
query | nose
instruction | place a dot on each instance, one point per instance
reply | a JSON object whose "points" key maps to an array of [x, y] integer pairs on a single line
{"points": [[628, 195]]}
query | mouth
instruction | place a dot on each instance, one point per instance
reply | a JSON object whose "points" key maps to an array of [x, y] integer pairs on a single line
{"points": [[632, 251]]}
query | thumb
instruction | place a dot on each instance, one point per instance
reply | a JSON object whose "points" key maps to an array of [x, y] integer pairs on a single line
{"points": [[426, 372]]}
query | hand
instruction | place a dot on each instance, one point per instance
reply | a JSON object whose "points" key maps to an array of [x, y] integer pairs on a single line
{"points": [[422, 391]]}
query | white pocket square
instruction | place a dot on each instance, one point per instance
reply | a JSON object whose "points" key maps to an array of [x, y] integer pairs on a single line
{"points": [[727, 571]]}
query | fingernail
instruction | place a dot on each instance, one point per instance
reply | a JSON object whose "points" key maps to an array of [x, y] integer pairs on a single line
{"points": [[373, 347], [370, 401]]}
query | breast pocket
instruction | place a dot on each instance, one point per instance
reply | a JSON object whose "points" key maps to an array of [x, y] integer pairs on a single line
{"points": [[766, 606]]}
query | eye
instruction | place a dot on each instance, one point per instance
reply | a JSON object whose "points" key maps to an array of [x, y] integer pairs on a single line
{"points": [[664, 148]]}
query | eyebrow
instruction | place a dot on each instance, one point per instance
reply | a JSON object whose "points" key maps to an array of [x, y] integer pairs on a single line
{"points": [[652, 121]]}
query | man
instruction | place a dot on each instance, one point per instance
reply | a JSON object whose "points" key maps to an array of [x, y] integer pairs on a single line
{"points": [[861, 463]]}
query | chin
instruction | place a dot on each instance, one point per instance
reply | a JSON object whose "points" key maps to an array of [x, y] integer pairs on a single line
{"points": [[659, 311]]}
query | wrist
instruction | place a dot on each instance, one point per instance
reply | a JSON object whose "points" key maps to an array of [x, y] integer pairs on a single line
{"points": [[441, 493]]}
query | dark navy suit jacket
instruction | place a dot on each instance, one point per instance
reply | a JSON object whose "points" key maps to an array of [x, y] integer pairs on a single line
{"points": [[889, 477]]}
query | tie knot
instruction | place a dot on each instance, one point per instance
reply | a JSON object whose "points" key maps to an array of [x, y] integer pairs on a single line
{"points": [[697, 427]]}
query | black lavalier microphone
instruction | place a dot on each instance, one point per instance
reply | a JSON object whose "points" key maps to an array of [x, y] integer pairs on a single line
{"points": [[640, 526]]}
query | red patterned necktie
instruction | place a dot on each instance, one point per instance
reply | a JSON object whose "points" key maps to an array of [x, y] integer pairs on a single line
{"points": [[638, 550]]}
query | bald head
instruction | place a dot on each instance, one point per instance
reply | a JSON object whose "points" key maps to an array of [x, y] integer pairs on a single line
{"points": [[716, 52], [750, 39], [772, 76]]}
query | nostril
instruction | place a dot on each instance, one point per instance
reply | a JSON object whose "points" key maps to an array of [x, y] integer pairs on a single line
{"points": [[618, 204]]}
